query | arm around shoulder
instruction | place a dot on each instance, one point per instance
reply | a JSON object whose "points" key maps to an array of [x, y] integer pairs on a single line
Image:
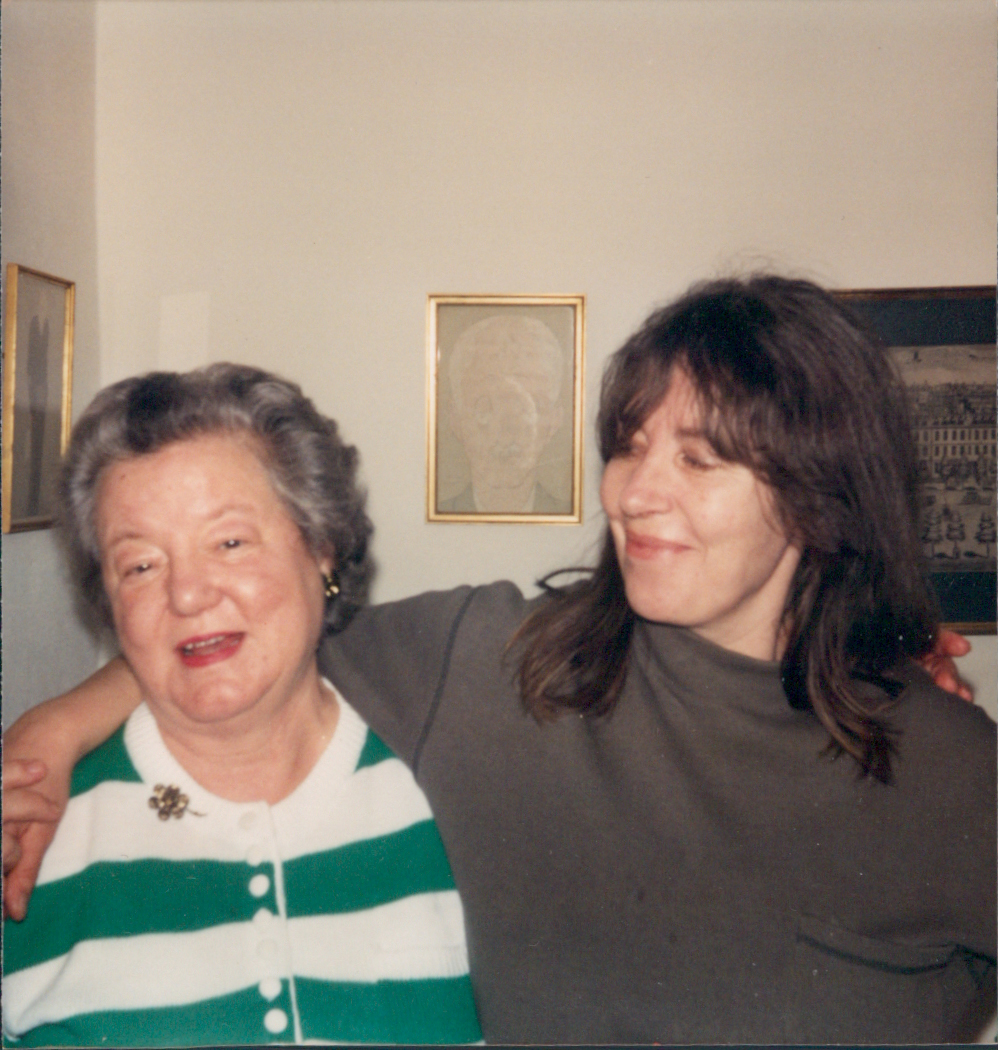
{"points": [[65, 728], [59, 732], [392, 661]]}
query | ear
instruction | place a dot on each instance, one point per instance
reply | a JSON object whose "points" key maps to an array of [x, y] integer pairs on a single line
{"points": [[326, 564]]}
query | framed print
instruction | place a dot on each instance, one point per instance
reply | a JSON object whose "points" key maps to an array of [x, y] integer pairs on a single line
{"points": [[504, 408], [943, 341], [37, 394]]}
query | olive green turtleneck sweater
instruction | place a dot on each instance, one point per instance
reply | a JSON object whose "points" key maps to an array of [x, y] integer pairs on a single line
{"points": [[691, 868]]}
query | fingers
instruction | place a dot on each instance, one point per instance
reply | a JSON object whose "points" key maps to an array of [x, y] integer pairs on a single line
{"points": [[24, 804], [946, 676], [11, 848], [22, 772], [941, 665], [949, 643], [24, 810], [964, 690], [19, 882]]}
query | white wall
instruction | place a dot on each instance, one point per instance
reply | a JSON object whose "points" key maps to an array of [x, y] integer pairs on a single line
{"points": [[283, 182], [48, 224]]}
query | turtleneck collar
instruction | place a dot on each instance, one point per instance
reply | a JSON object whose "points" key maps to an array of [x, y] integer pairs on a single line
{"points": [[697, 671]]}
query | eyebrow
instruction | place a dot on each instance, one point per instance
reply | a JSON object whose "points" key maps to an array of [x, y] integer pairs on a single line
{"points": [[123, 538], [230, 508]]}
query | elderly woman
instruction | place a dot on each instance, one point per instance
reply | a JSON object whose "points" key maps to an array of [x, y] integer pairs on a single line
{"points": [[245, 861], [705, 794]]}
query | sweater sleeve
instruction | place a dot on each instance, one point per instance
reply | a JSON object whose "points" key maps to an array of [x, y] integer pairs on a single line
{"points": [[948, 756], [391, 662], [395, 662]]}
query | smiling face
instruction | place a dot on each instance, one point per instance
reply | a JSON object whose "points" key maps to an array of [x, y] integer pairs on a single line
{"points": [[698, 539], [216, 599]]}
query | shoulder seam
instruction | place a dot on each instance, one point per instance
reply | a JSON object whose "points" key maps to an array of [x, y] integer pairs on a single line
{"points": [[441, 682]]}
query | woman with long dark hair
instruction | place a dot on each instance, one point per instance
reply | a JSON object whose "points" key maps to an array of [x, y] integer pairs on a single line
{"points": [[781, 383], [704, 793]]}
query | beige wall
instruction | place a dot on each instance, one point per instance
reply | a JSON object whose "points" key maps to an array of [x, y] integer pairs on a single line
{"points": [[48, 224], [283, 183]]}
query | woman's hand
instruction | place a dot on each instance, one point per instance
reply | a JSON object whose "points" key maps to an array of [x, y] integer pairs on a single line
{"points": [[941, 665], [30, 818], [59, 732]]}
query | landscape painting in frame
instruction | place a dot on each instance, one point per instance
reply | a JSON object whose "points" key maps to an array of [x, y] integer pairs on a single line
{"points": [[37, 393], [943, 342]]}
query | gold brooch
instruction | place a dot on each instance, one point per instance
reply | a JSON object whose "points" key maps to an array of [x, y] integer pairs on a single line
{"points": [[168, 801]]}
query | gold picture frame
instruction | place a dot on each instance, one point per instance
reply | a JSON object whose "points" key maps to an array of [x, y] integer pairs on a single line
{"points": [[37, 393], [505, 390]]}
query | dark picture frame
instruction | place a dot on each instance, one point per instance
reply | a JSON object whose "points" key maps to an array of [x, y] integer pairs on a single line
{"points": [[943, 341], [37, 393], [504, 408]]}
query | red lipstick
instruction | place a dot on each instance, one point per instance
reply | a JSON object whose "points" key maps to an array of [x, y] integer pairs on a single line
{"points": [[209, 648]]}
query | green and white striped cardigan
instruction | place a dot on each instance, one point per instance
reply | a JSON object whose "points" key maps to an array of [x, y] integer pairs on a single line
{"points": [[330, 916]]}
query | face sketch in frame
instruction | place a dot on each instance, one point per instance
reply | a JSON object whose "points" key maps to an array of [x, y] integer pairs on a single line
{"points": [[507, 376]]}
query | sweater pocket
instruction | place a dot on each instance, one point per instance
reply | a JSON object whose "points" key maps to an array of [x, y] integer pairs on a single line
{"points": [[880, 954], [857, 988]]}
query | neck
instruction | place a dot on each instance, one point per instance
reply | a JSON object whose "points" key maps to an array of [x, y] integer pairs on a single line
{"points": [[762, 642], [512, 500], [267, 762]]}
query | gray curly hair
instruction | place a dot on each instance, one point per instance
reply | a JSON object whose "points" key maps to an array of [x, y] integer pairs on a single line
{"points": [[312, 471]]}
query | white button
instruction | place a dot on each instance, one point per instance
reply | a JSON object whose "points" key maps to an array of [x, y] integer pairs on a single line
{"points": [[254, 856], [267, 949], [258, 885], [264, 920], [270, 988], [247, 821], [275, 1021]]}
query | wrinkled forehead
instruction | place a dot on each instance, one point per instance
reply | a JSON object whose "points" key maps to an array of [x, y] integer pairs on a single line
{"points": [[223, 446]]}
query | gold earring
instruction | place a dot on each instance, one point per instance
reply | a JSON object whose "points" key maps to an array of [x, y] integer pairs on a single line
{"points": [[330, 586]]}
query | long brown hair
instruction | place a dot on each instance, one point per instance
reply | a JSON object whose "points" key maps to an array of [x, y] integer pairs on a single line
{"points": [[791, 386]]}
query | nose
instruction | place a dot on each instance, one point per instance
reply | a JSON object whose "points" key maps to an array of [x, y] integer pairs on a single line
{"points": [[649, 487], [191, 586], [515, 408]]}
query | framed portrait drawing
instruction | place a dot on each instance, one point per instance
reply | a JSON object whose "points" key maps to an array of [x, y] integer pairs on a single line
{"points": [[504, 408], [943, 341], [37, 394]]}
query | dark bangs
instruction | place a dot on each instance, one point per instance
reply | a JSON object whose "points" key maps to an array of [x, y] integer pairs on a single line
{"points": [[791, 388], [717, 342]]}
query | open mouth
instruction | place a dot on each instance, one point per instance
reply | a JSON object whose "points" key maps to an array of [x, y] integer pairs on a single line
{"points": [[197, 652]]}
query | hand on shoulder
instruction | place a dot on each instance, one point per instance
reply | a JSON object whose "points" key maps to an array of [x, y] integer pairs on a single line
{"points": [[33, 802], [940, 663]]}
